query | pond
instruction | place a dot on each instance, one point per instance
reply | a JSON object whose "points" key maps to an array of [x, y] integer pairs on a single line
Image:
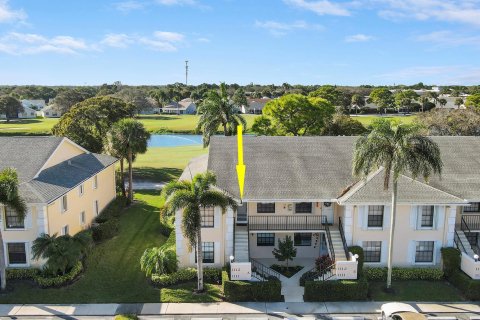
{"points": [[174, 140]]}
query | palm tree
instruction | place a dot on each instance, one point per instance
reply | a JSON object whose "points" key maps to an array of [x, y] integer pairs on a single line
{"points": [[218, 110], [158, 260], [398, 149], [192, 197], [458, 102], [423, 101], [129, 138], [61, 252], [434, 96], [9, 197], [358, 101]]}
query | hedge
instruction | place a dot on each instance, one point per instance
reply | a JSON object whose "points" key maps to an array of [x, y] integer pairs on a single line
{"points": [[452, 259], [58, 281], [358, 250], [245, 291], [451, 264], [399, 274], [210, 275], [22, 273], [105, 230], [336, 290]]}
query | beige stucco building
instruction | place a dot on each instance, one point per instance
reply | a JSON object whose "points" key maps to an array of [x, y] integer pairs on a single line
{"points": [[65, 188], [303, 187]]}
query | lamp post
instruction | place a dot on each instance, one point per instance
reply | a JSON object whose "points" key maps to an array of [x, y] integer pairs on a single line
{"points": [[232, 258], [475, 256]]}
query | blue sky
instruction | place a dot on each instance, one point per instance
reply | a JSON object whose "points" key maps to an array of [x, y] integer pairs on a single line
{"points": [[352, 42]]}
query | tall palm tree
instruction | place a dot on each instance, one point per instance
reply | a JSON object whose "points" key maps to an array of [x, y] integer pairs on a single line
{"points": [[423, 101], [434, 96], [9, 197], [218, 110], [192, 197], [129, 138], [357, 101], [398, 149]]}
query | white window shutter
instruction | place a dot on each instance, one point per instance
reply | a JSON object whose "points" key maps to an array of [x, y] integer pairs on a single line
{"points": [[216, 248], [387, 217], [413, 217], [411, 252], [28, 219], [217, 212], [2, 213], [361, 217], [439, 217], [437, 253], [384, 253]]}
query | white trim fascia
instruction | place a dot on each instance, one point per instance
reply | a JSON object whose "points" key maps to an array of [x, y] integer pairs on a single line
{"points": [[357, 186], [288, 200]]}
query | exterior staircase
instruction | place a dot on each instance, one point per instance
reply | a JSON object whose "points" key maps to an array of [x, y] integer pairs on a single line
{"points": [[337, 244], [241, 244], [465, 243]]}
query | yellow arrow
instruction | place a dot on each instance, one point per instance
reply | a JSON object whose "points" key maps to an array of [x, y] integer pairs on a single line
{"points": [[240, 166]]}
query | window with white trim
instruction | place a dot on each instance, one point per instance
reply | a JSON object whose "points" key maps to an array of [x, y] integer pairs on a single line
{"points": [[303, 207], [372, 251], [82, 218], [65, 230], [95, 182], [375, 216], [473, 207], [265, 239], [17, 253], [64, 202], [424, 251], [207, 217], [302, 239], [425, 216], [12, 219], [208, 251], [80, 190], [266, 207]]}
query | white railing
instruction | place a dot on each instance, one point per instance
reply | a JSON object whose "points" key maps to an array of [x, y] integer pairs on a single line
{"points": [[470, 266]]}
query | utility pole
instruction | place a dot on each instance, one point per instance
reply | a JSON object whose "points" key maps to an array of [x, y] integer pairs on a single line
{"points": [[186, 72]]}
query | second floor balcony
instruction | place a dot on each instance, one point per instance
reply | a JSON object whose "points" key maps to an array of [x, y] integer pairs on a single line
{"points": [[286, 222]]}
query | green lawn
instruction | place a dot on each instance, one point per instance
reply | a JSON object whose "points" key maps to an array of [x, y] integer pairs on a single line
{"points": [[27, 126], [366, 120], [164, 164], [432, 291], [113, 270]]}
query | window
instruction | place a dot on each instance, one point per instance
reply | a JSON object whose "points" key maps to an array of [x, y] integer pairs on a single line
{"points": [[372, 251], [375, 216], [265, 239], [266, 207], [424, 251], [82, 218], [208, 249], [95, 182], [80, 190], [12, 220], [303, 207], [95, 207], [207, 217], [16, 253], [426, 216], [65, 230], [473, 207], [64, 203], [302, 239]]}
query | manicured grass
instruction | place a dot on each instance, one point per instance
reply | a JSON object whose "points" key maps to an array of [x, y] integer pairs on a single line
{"points": [[112, 270], [164, 164], [184, 293], [367, 120], [434, 291], [27, 126]]}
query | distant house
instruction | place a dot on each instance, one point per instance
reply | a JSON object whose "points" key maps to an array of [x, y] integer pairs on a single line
{"points": [[255, 106], [185, 106], [49, 112], [37, 104], [27, 113]]}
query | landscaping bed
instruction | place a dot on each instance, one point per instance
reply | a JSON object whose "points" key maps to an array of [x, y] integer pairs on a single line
{"points": [[286, 271], [415, 290]]}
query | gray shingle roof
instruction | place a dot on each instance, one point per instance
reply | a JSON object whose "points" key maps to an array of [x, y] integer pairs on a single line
{"points": [[28, 154], [319, 168]]}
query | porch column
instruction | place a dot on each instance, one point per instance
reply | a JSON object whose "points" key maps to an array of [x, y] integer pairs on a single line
{"points": [[348, 224], [42, 221], [228, 234], [450, 227]]}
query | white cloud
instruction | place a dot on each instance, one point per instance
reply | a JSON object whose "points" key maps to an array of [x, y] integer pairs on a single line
{"points": [[203, 40], [281, 28], [29, 43], [127, 6], [8, 14], [461, 11], [117, 40], [322, 7], [169, 36], [445, 38], [358, 38], [157, 45], [176, 2]]}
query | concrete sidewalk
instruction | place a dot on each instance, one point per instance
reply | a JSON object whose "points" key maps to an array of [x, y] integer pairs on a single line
{"points": [[8, 310]]}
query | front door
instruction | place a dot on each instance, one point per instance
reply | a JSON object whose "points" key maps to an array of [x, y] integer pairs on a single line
{"points": [[327, 212]]}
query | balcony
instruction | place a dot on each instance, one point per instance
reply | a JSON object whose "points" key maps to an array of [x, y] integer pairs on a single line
{"points": [[286, 222], [470, 222]]}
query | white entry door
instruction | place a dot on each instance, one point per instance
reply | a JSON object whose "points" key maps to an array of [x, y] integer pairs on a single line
{"points": [[327, 212]]}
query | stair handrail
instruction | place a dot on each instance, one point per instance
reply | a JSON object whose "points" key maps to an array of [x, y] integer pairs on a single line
{"points": [[464, 225], [342, 235], [330, 244], [264, 270], [326, 273], [458, 242]]}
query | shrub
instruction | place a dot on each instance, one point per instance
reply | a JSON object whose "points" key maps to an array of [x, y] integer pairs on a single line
{"points": [[361, 257], [244, 291], [336, 290], [469, 287], [323, 262], [400, 274], [45, 281], [210, 275], [451, 260], [158, 260], [22, 273], [308, 276], [165, 229], [105, 230]]}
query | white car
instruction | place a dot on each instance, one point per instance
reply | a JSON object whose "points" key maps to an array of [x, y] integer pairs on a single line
{"points": [[400, 311]]}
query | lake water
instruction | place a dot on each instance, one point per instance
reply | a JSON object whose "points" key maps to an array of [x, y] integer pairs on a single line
{"points": [[174, 140]]}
